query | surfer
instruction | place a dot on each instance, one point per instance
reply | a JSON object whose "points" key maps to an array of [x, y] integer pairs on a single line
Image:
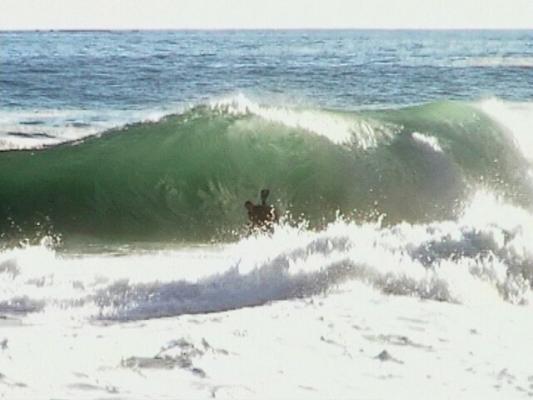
{"points": [[261, 215]]}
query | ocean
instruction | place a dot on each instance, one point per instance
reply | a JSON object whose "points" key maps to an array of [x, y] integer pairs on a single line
{"points": [[401, 163]]}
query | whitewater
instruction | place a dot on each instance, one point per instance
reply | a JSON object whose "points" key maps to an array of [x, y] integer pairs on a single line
{"points": [[403, 262]]}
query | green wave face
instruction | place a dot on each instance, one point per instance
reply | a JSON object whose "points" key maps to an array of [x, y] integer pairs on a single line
{"points": [[187, 176]]}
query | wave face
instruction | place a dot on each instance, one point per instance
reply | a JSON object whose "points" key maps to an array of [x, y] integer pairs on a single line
{"points": [[187, 176]]}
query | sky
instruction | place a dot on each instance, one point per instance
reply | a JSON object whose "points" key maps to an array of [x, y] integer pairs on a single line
{"points": [[256, 14]]}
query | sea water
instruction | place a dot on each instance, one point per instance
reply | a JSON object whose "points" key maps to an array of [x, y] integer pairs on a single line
{"points": [[399, 160]]}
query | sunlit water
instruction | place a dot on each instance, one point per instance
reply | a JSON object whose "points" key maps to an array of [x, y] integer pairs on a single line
{"points": [[401, 161]]}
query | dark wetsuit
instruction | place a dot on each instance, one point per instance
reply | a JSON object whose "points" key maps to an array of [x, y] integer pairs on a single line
{"points": [[261, 215]]}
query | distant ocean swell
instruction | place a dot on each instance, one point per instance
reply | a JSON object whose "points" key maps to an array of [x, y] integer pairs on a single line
{"points": [[186, 176]]}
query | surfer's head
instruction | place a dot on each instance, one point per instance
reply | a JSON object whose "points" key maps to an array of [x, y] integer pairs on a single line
{"points": [[249, 205]]}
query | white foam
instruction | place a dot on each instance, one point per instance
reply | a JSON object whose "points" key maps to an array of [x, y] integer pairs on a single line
{"points": [[430, 141], [351, 313], [517, 117], [338, 128], [497, 61], [483, 257]]}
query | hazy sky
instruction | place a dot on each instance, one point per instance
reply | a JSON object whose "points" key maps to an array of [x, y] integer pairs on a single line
{"points": [[215, 14]]}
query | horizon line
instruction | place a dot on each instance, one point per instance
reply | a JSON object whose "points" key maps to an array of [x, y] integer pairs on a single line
{"points": [[221, 29]]}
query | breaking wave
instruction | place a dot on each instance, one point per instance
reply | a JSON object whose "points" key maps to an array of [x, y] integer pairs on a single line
{"points": [[186, 176], [485, 256]]}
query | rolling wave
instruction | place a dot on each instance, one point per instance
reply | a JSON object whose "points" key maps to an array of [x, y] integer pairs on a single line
{"points": [[186, 176]]}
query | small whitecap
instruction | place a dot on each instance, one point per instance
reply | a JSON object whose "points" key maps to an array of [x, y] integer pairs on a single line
{"points": [[429, 141]]}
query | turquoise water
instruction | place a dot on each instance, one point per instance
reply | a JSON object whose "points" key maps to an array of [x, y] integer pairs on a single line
{"points": [[186, 177]]}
